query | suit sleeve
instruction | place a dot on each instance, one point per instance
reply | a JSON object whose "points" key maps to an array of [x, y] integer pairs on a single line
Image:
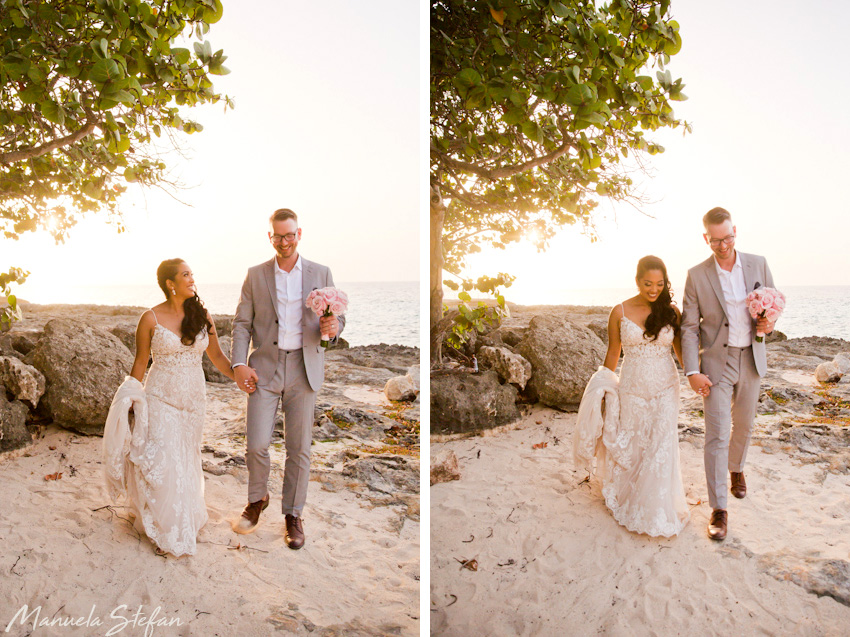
{"points": [[690, 327], [242, 325]]}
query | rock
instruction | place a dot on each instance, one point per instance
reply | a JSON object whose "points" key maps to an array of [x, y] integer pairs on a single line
{"points": [[842, 359], [25, 383], [413, 375], [828, 372], [223, 325], [126, 333], [211, 372], [324, 429], [775, 336], [823, 577], [400, 388], [462, 402], [512, 368], [600, 328], [563, 357], [385, 473], [509, 334], [350, 422], [396, 358], [341, 343], [13, 430], [83, 366], [444, 467]]}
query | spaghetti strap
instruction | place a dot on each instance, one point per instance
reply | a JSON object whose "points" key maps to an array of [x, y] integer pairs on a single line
{"points": [[154, 316]]}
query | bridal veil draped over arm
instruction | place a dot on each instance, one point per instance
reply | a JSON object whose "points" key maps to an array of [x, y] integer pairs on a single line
{"points": [[121, 446], [597, 426]]}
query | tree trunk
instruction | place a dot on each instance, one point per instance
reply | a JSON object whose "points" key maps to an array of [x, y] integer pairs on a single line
{"points": [[438, 212]]}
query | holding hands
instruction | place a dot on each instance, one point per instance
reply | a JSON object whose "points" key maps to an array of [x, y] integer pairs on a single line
{"points": [[246, 378], [701, 384]]}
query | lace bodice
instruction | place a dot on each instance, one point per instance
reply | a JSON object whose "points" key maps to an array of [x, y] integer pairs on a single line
{"points": [[167, 348]]}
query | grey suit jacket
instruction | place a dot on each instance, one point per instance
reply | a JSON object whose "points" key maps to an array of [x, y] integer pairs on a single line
{"points": [[257, 322], [705, 327]]}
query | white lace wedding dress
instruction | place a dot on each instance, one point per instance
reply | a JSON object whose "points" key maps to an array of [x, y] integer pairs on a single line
{"points": [[162, 471], [642, 482]]}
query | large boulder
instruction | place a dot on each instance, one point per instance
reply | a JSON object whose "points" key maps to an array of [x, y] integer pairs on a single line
{"points": [[512, 368], [471, 402], [563, 357], [24, 382], [400, 388], [83, 366], [828, 372], [211, 372], [13, 418]]}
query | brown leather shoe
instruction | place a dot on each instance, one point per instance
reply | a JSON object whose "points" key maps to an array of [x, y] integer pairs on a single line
{"points": [[294, 532], [717, 525], [251, 516], [739, 485]]}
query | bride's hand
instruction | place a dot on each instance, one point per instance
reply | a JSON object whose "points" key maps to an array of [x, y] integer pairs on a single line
{"points": [[701, 384]]}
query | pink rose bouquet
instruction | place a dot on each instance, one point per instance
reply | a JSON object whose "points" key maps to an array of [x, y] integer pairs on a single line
{"points": [[765, 303], [327, 302]]}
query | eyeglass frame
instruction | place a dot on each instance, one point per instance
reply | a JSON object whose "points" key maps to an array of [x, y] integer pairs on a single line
{"points": [[727, 240], [280, 238]]}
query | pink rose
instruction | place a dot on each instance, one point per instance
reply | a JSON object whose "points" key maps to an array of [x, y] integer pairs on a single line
{"points": [[754, 307], [337, 307], [772, 314], [318, 305], [343, 297], [767, 299], [779, 302], [330, 295]]}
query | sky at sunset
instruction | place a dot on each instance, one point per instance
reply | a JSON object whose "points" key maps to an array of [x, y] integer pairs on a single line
{"points": [[770, 143], [326, 123]]}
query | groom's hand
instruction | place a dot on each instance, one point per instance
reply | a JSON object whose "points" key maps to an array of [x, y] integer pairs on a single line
{"points": [[700, 384], [329, 325], [246, 378], [764, 326]]}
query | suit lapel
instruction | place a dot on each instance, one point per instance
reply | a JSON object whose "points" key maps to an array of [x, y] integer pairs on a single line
{"points": [[749, 275], [714, 280], [307, 279], [268, 273]]}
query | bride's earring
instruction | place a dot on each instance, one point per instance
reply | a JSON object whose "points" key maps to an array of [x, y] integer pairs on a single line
{"points": [[173, 292]]}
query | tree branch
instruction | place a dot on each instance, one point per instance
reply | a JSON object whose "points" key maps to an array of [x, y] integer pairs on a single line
{"points": [[504, 171], [37, 151]]}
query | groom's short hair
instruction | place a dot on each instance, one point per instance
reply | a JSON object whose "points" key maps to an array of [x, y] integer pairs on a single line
{"points": [[282, 214], [715, 217]]}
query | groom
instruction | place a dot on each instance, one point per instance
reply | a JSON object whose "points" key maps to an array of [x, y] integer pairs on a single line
{"points": [[286, 364], [723, 362]]}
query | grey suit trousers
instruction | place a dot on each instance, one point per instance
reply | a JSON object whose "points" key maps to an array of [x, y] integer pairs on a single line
{"points": [[730, 409], [289, 385]]}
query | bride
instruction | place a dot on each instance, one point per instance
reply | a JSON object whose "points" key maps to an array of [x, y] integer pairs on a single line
{"points": [[633, 431], [157, 462]]}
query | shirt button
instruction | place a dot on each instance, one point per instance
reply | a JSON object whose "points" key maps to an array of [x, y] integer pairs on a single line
{"points": [[276, 321], [726, 324], [724, 344]]}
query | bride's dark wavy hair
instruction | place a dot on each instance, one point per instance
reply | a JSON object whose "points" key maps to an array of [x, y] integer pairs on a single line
{"points": [[194, 314], [661, 309]]}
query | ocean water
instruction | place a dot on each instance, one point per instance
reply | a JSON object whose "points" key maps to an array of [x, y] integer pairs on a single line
{"points": [[378, 312], [810, 310]]}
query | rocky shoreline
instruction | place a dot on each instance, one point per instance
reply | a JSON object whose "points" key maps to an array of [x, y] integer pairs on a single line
{"points": [[61, 365]]}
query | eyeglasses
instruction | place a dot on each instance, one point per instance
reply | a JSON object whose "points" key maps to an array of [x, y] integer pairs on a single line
{"points": [[728, 240], [289, 237]]}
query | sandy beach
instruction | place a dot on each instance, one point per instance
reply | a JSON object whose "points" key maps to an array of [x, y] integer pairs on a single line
{"points": [[523, 544], [69, 555]]}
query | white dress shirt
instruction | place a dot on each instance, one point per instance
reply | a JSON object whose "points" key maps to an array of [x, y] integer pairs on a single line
{"points": [[290, 306], [735, 294]]}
